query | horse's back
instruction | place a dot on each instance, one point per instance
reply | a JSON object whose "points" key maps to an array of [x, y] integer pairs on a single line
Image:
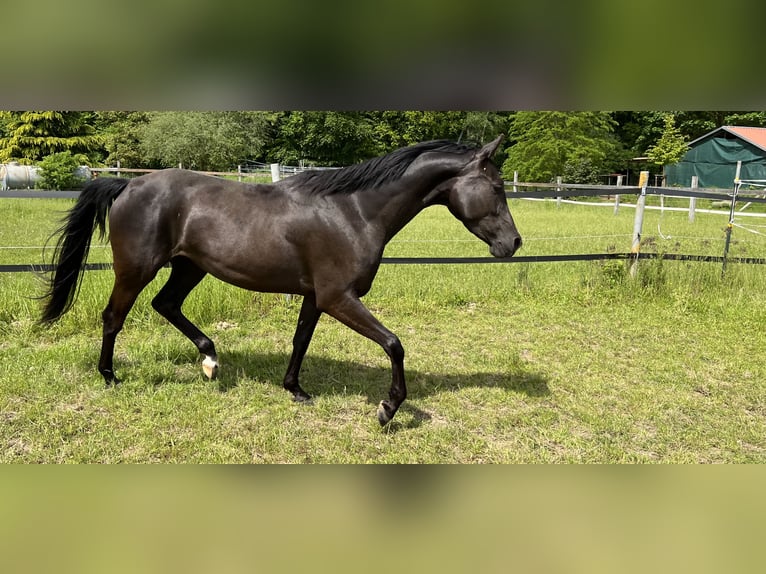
{"points": [[237, 232], [171, 196]]}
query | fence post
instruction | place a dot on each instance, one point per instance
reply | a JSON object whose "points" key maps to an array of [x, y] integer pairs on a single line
{"points": [[731, 217], [239, 173], [119, 174], [558, 188], [617, 196], [638, 221], [515, 181], [274, 179], [693, 200]]}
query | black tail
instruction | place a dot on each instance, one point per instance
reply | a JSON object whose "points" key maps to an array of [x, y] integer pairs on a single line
{"points": [[73, 244]]}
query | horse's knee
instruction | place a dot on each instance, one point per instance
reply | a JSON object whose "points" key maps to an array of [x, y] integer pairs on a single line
{"points": [[111, 323], [162, 305]]}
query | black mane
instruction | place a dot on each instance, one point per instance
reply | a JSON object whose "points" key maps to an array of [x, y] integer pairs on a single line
{"points": [[372, 172]]}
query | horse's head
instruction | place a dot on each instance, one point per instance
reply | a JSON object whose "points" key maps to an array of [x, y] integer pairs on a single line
{"points": [[476, 196]]}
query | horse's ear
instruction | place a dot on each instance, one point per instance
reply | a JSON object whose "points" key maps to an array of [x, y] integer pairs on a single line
{"points": [[488, 150]]}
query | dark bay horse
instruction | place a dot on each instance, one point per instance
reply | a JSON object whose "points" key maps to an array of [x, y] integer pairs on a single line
{"points": [[319, 234]]}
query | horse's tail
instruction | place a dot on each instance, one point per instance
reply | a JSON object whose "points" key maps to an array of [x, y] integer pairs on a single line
{"points": [[73, 243]]}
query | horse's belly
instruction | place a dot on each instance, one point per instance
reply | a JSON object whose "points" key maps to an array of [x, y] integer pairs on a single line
{"points": [[266, 276]]}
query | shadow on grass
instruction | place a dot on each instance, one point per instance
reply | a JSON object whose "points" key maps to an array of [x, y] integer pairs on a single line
{"points": [[322, 376]]}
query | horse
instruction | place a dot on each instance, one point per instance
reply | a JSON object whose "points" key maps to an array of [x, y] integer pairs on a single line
{"points": [[319, 234]]}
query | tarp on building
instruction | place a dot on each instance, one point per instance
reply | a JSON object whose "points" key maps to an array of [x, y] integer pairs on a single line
{"points": [[713, 158]]}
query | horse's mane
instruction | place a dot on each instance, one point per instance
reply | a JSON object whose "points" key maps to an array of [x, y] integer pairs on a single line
{"points": [[371, 173]]}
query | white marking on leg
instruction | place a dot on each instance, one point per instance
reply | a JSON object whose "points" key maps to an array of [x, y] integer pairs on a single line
{"points": [[210, 367]]}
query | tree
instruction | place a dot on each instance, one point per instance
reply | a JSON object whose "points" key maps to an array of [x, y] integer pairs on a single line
{"points": [[671, 146], [205, 141], [547, 144], [638, 131], [30, 136], [481, 127], [429, 125], [122, 137], [324, 138], [395, 129]]}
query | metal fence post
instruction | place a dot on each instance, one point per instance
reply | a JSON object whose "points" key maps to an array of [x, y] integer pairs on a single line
{"points": [[731, 217]]}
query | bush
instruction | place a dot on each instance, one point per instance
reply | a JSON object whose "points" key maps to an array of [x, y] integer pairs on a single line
{"points": [[582, 170], [58, 171]]}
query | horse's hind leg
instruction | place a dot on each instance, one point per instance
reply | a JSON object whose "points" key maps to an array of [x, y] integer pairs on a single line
{"points": [[307, 321], [184, 277], [126, 288]]}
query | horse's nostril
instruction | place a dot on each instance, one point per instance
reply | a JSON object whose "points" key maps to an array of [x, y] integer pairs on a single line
{"points": [[517, 243]]}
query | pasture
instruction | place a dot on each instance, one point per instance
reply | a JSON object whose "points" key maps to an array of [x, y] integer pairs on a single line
{"points": [[540, 362]]}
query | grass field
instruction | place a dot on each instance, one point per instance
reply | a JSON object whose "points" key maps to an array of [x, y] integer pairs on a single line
{"points": [[544, 362]]}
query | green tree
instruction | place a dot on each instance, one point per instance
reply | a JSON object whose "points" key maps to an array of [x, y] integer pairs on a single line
{"points": [[206, 141], [121, 131], [432, 125], [547, 144], [324, 138], [395, 129], [638, 131], [671, 146], [387, 128], [30, 136]]}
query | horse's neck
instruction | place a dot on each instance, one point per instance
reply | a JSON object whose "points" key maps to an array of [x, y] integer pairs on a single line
{"points": [[408, 197]]}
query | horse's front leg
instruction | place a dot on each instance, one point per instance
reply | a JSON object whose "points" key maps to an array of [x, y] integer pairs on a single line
{"points": [[307, 321], [350, 311]]}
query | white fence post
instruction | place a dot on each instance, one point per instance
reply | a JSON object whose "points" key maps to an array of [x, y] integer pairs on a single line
{"points": [[274, 179], [558, 188], [693, 200], [617, 196], [274, 172]]}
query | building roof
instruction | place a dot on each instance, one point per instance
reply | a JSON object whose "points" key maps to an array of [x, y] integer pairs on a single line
{"points": [[754, 136]]}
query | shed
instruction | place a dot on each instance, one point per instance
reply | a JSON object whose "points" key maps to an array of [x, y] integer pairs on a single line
{"points": [[713, 158]]}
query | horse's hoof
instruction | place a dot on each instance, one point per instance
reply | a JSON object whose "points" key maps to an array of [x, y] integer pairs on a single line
{"points": [[385, 413], [110, 380], [210, 367], [303, 398]]}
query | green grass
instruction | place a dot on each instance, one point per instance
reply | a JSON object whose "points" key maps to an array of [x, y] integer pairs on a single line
{"points": [[549, 362]]}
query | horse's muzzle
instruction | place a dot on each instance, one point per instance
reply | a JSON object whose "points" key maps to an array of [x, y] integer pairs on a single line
{"points": [[505, 248]]}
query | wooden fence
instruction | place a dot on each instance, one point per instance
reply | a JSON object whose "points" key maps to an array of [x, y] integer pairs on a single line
{"points": [[517, 190]]}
